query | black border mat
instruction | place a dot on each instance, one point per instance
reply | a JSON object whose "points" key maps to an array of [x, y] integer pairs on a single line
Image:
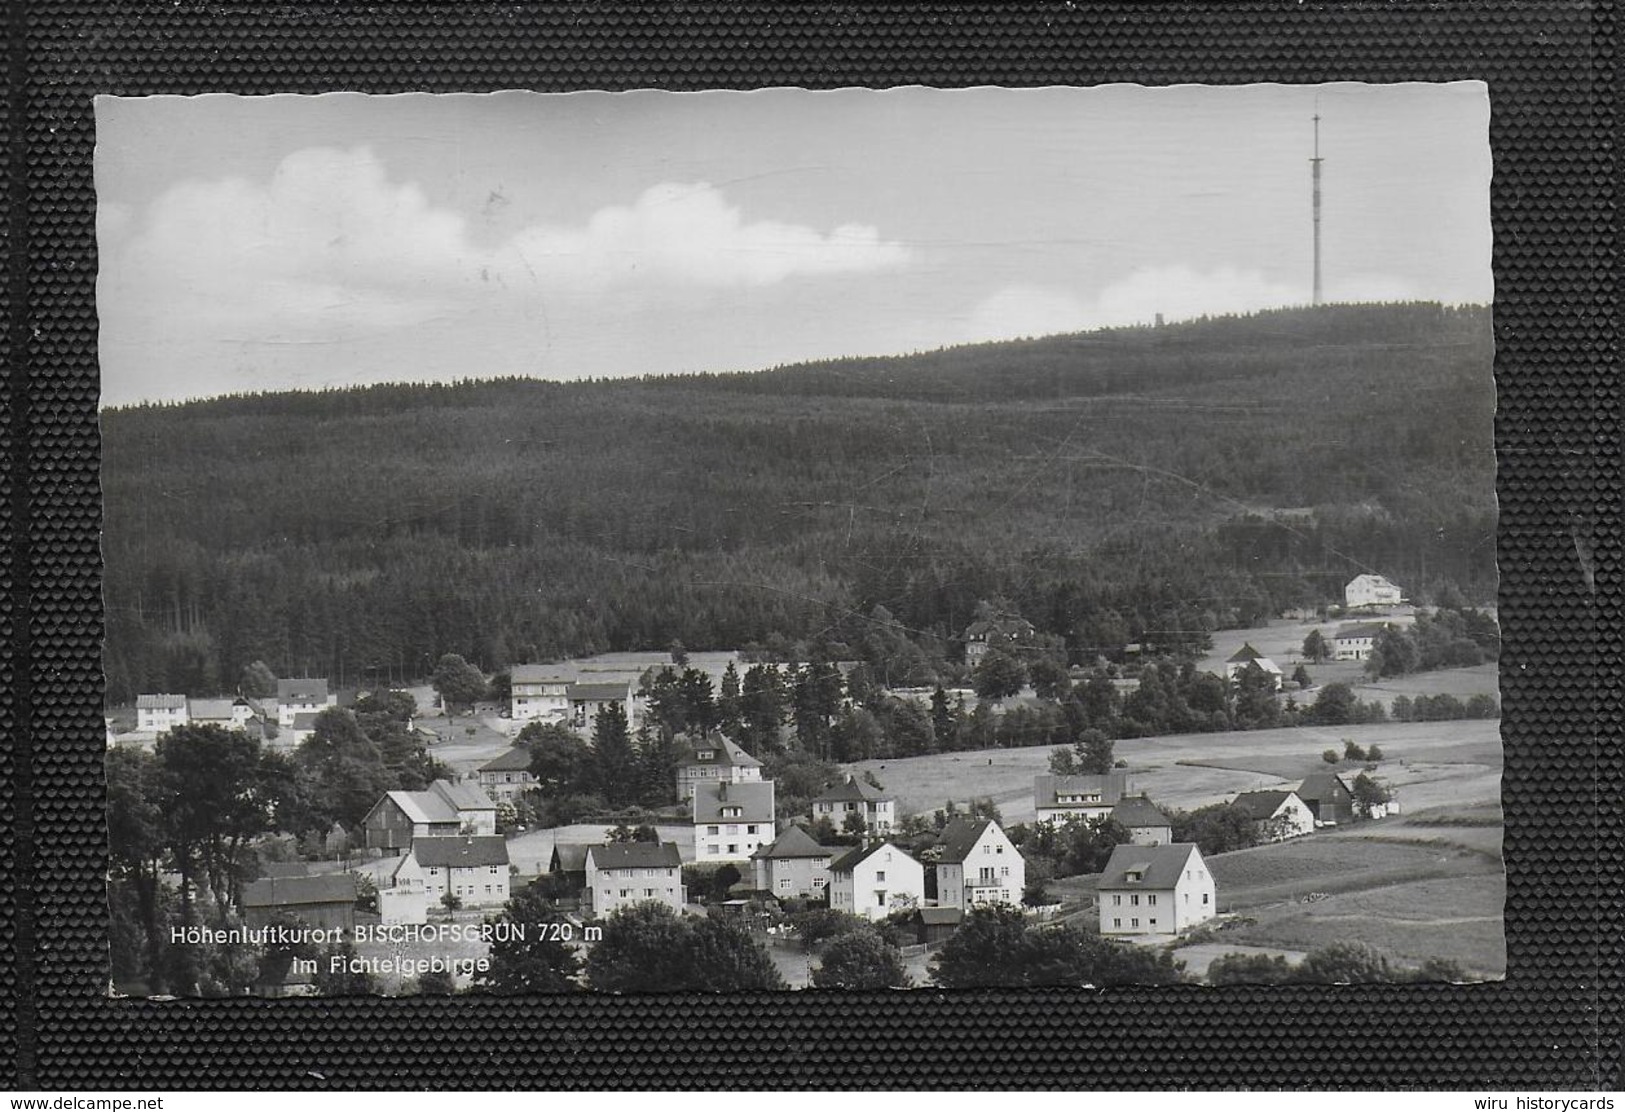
{"points": [[1554, 1023]]}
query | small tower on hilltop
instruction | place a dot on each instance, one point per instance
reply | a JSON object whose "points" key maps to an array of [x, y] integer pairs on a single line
{"points": [[1314, 178]]}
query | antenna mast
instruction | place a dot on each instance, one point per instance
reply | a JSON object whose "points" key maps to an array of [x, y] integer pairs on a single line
{"points": [[1314, 174]]}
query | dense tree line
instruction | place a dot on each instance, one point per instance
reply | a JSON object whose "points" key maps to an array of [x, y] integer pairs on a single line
{"points": [[1115, 487]]}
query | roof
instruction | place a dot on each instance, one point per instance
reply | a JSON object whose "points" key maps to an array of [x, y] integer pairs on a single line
{"points": [[160, 702], [959, 837], [1363, 629], [516, 759], [1004, 627], [635, 855], [305, 720], [1374, 580], [1320, 785], [1246, 652], [1158, 866], [754, 797], [1261, 804], [852, 858], [600, 692], [538, 673], [210, 708], [308, 690], [795, 842], [1136, 810], [1046, 788], [423, 806], [724, 753], [464, 797], [852, 788], [293, 891], [461, 851], [940, 916], [568, 857]]}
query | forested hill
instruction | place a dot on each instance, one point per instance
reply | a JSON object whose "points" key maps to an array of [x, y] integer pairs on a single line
{"points": [[1134, 484]]}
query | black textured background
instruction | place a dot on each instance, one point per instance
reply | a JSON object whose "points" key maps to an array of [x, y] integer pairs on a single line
{"points": [[1554, 1023]]}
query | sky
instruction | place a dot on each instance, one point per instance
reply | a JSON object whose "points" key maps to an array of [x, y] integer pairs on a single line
{"points": [[286, 242]]}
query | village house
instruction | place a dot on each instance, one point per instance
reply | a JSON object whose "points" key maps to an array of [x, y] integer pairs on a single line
{"points": [[714, 760], [1355, 642], [1277, 814], [1371, 592], [1249, 657], [540, 691], [587, 700], [157, 713], [568, 861], [299, 730], [732, 821], [995, 633], [228, 714], [507, 776], [472, 868], [1159, 890], [1328, 798], [793, 865], [625, 873], [443, 809], [930, 926], [874, 881], [1144, 821], [853, 796], [323, 902], [302, 696], [1089, 796], [978, 865]]}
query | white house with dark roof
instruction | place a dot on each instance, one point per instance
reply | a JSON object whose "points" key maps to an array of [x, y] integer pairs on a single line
{"points": [[587, 700], [853, 796], [978, 865], [1144, 821], [714, 759], [1277, 814], [444, 809], [1248, 657], [1088, 796], [793, 865], [732, 821], [622, 874], [228, 714], [507, 776], [307, 695], [1371, 592], [874, 881], [473, 868], [1355, 642], [158, 713], [990, 633], [1155, 890], [540, 691]]}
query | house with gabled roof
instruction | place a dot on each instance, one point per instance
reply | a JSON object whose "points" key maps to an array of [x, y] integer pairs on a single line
{"points": [[588, 700], [228, 714], [714, 759], [1087, 796], [1155, 890], [793, 865], [875, 880], [507, 776], [1144, 821], [732, 821], [569, 861], [1248, 657], [306, 695], [540, 691], [621, 874], [1372, 592], [978, 864], [1277, 813], [443, 809], [1328, 798], [1005, 631], [325, 902], [473, 868], [854, 796], [158, 713], [1355, 642]]}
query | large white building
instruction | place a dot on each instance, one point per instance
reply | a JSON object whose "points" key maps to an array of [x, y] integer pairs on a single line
{"points": [[1355, 642], [979, 865], [732, 821], [157, 713], [622, 874], [874, 881], [714, 759], [472, 868], [1088, 796], [1158, 890], [302, 696], [852, 796], [540, 691], [1371, 592]]}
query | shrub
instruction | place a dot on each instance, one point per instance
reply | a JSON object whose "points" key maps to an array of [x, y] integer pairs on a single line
{"points": [[1373, 753], [1351, 751], [1330, 756]]}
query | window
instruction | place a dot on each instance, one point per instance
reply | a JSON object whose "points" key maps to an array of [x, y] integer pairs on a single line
{"points": [[487, 889], [1117, 922], [733, 847], [751, 829], [819, 881], [649, 892], [626, 893], [880, 899], [1004, 870], [1135, 899], [733, 828], [1204, 897], [880, 874], [493, 870], [713, 830], [1152, 899], [1153, 922], [784, 885], [1133, 922], [998, 849], [1117, 901]]}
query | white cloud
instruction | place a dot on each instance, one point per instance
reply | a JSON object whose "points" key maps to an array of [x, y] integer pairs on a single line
{"points": [[1180, 292]]}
